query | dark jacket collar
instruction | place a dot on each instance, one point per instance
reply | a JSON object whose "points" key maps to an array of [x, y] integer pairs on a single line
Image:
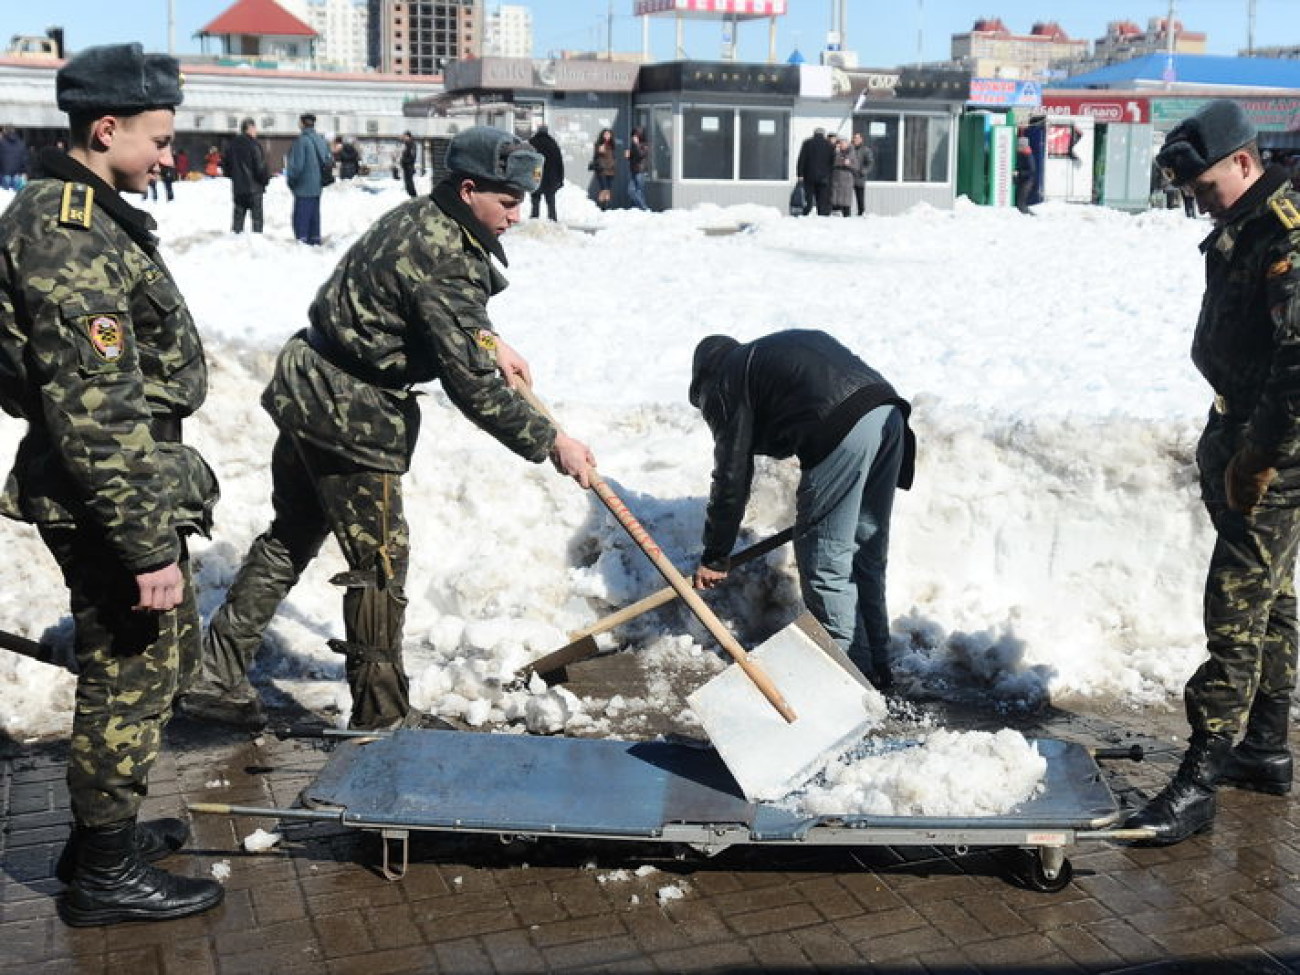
{"points": [[138, 224], [450, 203], [1269, 183]]}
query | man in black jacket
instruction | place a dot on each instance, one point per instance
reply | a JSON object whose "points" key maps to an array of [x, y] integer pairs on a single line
{"points": [[552, 171], [814, 165], [801, 393], [407, 163], [246, 166]]}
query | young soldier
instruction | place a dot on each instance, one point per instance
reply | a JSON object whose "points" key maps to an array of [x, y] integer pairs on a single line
{"points": [[407, 304], [100, 356], [1247, 346]]}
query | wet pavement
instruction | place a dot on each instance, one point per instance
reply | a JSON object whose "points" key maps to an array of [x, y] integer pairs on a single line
{"points": [[1227, 901]]}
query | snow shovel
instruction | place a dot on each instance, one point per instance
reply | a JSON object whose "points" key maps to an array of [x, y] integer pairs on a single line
{"points": [[769, 754], [582, 644]]}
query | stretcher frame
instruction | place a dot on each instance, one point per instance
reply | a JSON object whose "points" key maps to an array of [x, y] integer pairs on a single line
{"points": [[528, 787]]}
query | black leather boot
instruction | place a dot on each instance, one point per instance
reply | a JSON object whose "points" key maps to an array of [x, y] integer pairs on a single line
{"points": [[112, 884], [1186, 806], [1262, 760], [154, 840]]}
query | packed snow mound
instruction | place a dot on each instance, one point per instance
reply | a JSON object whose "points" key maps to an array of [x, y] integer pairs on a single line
{"points": [[944, 774]]}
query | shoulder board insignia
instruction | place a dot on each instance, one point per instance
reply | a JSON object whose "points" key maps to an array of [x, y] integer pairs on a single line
{"points": [[486, 340], [77, 206], [1286, 212]]}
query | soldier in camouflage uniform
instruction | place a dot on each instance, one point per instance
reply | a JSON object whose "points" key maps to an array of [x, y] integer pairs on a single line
{"points": [[406, 305], [100, 356], [1247, 345]]}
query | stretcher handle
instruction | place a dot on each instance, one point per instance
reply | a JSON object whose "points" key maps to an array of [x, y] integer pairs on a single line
{"points": [[674, 578]]}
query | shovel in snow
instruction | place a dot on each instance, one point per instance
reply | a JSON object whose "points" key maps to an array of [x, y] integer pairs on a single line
{"points": [[769, 745]]}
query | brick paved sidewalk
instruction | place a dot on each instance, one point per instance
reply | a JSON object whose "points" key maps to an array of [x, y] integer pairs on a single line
{"points": [[1225, 902]]}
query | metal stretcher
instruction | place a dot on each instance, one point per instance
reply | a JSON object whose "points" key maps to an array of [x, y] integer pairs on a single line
{"points": [[527, 786]]}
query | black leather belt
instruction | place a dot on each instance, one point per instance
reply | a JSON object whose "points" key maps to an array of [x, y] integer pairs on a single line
{"points": [[165, 429]]}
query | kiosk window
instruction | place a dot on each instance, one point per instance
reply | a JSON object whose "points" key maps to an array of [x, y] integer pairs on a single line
{"points": [[764, 144], [708, 148], [661, 143]]}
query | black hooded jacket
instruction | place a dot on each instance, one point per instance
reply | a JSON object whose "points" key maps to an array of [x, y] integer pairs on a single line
{"points": [[792, 393], [552, 160]]}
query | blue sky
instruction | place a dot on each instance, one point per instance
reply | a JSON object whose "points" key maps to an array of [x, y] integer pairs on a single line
{"points": [[885, 33]]}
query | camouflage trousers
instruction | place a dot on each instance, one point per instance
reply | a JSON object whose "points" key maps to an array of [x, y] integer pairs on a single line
{"points": [[313, 495], [130, 667], [1250, 617]]}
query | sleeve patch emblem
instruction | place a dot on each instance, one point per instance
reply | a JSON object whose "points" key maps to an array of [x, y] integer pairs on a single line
{"points": [[1279, 268], [108, 338], [486, 340]]}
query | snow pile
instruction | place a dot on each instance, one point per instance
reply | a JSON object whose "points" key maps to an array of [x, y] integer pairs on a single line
{"points": [[945, 774]]}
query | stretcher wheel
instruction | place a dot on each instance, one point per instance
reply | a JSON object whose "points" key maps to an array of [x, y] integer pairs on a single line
{"points": [[1039, 864]]}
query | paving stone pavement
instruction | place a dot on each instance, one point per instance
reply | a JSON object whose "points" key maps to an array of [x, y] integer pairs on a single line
{"points": [[1224, 902]]}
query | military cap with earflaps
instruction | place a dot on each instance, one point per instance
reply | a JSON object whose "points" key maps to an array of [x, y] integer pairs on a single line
{"points": [[118, 78], [484, 152], [1213, 132]]}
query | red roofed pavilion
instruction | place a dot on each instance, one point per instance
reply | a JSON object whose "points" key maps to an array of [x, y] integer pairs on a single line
{"points": [[262, 29]]}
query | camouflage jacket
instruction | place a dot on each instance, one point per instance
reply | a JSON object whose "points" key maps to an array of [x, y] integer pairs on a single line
{"points": [[1247, 342], [101, 357], [407, 304]]}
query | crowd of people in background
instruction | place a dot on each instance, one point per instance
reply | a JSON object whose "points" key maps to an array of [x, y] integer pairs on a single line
{"points": [[832, 173]]}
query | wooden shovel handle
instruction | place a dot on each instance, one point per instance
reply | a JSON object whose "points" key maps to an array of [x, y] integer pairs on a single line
{"points": [[581, 644], [675, 579]]}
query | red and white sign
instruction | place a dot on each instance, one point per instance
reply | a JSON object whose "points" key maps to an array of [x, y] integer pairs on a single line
{"points": [[1104, 109], [739, 8]]}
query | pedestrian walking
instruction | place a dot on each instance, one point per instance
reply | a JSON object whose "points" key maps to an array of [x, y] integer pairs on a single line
{"points": [[249, 176]]}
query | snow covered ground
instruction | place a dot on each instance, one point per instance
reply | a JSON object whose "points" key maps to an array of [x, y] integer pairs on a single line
{"points": [[1052, 547]]}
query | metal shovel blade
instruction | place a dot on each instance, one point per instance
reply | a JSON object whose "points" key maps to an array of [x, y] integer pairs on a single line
{"points": [[769, 757]]}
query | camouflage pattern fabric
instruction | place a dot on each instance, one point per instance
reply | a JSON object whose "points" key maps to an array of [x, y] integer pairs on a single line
{"points": [[1247, 345], [316, 494], [1250, 618], [99, 354], [130, 668], [407, 304], [95, 343]]}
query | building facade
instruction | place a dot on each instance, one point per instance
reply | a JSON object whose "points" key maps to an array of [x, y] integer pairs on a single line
{"points": [[341, 26], [990, 50], [509, 32], [422, 37]]}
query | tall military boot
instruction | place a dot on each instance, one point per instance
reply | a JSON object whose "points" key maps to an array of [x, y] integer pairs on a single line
{"points": [[112, 884], [154, 839], [1262, 761], [1186, 806]]}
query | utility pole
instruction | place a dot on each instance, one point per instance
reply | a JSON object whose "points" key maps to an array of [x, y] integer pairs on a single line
{"points": [[171, 26], [1250, 28], [609, 33], [920, 32]]}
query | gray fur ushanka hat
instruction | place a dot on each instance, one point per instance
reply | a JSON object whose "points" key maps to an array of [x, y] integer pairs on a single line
{"points": [[118, 78], [1214, 131]]}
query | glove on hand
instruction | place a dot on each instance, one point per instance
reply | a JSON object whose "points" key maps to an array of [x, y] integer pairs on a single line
{"points": [[1248, 476]]}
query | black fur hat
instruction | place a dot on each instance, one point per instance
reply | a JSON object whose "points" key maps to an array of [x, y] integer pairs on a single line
{"points": [[1214, 131], [118, 78]]}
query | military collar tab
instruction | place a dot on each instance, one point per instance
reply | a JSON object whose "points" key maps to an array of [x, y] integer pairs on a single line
{"points": [[137, 223], [450, 203]]}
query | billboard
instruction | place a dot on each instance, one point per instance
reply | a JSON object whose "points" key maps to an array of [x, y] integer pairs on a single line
{"points": [[712, 8]]}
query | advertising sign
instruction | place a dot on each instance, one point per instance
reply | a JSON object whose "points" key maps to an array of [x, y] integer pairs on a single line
{"points": [[1278, 114], [712, 8], [1005, 92], [1002, 164], [1102, 108]]}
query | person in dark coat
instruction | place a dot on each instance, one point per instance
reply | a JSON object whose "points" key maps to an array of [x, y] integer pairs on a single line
{"points": [[1026, 173], [866, 162], [814, 165], [13, 160], [552, 171], [349, 160], [246, 167], [801, 393], [407, 163]]}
